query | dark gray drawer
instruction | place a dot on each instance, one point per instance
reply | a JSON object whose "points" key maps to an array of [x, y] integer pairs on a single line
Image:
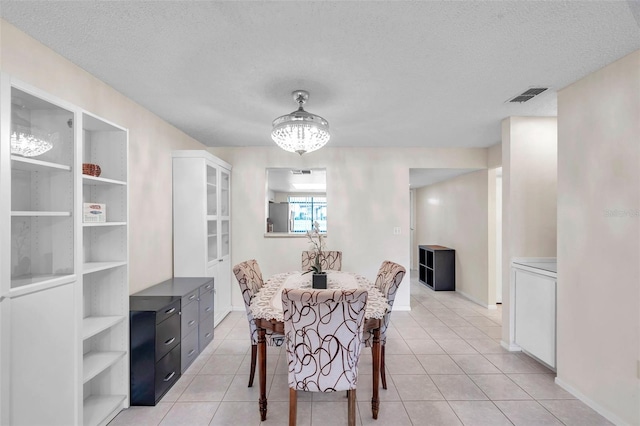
{"points": [[167, 371], [168, 311], [190, 317], [191, 297], [206, 332], [206, 304], [189, 349], [207, 287], [167, 335]]}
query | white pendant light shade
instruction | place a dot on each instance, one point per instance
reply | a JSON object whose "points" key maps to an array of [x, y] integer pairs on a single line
{"points": [[300, 131]]}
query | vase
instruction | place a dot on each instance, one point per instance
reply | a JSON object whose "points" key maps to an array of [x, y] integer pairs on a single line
{"points": [[319, 280]]}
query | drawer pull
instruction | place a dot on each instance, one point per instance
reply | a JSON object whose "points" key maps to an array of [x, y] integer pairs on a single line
{"points": [[208, 286], [170, 341], [208, 309], [191, 352], [193, 296], [207, 335], [170, 311], [191, 323], [170, 376], [219, 260]]}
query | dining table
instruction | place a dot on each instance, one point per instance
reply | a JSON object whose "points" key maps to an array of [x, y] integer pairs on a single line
{"points": [[266, 307]]}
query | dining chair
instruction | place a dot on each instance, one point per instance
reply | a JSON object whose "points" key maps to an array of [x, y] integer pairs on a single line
{"points": [[323, 339], [250, 280], [389, 277], [329, 260]]}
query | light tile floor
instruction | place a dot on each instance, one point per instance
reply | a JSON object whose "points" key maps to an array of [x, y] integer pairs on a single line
{"points": [[445, 366]]}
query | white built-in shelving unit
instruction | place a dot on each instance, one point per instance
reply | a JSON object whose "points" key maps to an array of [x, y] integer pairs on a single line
{"points": [[104, 257], [202, 222], [64, 334]]}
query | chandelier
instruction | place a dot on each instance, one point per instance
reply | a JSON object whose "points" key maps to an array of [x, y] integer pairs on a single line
{"points": [[27, 140], [300, 131]]}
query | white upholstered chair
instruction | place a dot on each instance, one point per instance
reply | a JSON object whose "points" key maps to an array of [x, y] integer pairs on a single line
{"points": [[323, 339], [329, 260], [389, 277], [250, 280]]}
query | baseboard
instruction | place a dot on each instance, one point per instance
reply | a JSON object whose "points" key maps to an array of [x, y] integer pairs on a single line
{"points": [[474, 300], [511, 347], [591, 403]]}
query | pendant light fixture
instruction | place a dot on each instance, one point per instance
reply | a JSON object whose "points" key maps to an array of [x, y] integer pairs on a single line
{"points": [[300, 131]]}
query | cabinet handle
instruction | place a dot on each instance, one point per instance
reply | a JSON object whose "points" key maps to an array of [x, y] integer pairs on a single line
{"points": [[193, 296], [170, 341], [166, 379], [219, 260], [208, 286], [170, 311], [207, 335], [208, 309], [191, 323], [191, 352]]}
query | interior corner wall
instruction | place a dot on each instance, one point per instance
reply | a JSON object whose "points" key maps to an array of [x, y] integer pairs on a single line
{"points": [[598, 342], [455, 213], [529, 196], [151, 141]]}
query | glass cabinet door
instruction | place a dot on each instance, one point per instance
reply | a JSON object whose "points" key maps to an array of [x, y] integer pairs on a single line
{"points": [[42, 190], [224, 213]]}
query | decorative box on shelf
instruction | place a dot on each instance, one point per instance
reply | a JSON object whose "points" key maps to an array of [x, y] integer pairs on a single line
{"points": [[94, 213]]}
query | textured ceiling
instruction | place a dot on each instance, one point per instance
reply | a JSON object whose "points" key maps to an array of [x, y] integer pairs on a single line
{"points": [[431, 73]]}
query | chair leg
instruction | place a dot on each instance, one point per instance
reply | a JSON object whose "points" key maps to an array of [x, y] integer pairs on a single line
{"points": [[254, 355], [352, 407], [382, 369], [293, 407]]}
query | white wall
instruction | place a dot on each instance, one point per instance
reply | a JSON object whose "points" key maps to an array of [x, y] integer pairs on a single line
{"points": [[367, 196], [529, 196], [151, 141], [599, 239], [455, 213]]}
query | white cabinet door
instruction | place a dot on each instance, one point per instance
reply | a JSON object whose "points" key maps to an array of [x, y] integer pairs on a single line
{"points": [[223, 289], [43, 358], [535, 315]]}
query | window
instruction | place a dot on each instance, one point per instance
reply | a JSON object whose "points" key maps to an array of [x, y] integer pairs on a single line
{"points": [[306, 210]]}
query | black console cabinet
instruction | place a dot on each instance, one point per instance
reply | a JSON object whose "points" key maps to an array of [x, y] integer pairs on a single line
{"points": [[437, 267], [155, 346], [171, 323]]}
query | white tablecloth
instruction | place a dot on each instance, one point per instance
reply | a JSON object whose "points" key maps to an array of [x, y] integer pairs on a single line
{"points": [[267, 303]]}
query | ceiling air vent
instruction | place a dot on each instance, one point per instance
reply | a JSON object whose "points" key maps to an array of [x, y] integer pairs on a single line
{"points": [[528, 95], [300, 172]]}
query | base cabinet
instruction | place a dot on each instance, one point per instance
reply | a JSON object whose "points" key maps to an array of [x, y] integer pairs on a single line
{"points": [[534, 308], [155, 347], [197, 301], [437, 267]]}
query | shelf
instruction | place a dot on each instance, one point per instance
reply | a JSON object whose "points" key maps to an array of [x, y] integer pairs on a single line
{"points": [[32, 283], [98, 407], [94, 325], [31, 165], [212, 235], [94, 363], [93, 224], [40, 213], [93, 180], [211, 185], [90, 267], [212, 217]]}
